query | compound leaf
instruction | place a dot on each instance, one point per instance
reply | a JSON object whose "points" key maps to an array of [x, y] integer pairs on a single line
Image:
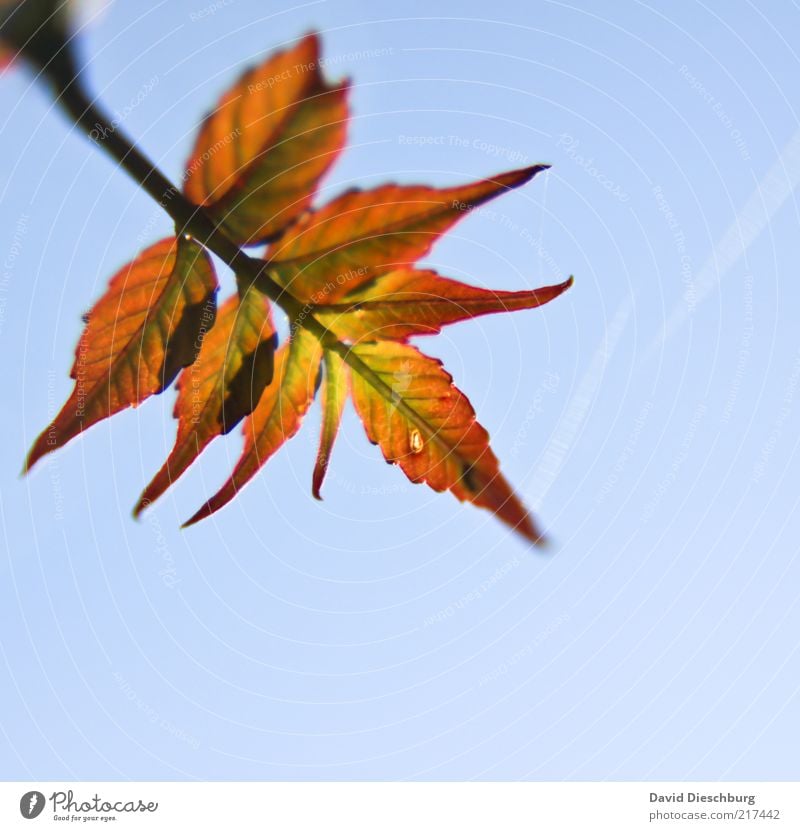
{"points": [[254, 170]]}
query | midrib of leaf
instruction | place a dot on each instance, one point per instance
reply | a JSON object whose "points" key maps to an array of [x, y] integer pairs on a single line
{"points": [[407, 224], [419, 421], [379, 305]]}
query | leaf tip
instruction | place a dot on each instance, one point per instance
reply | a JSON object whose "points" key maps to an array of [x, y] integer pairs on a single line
{"points": [[140, 506], [520, 176], [317, 479], [535, 169], [40, 448], [540, 544], [201, 513], [527, 528]]}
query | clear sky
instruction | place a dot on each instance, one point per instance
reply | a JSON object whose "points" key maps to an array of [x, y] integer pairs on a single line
{"points": [[650, 416]]}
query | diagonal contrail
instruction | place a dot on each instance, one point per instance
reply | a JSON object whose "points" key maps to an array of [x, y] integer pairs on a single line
{"points": [[763, 203]]}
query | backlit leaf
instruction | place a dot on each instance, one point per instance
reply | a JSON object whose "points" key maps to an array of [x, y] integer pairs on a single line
{"points": [[410, 302], [260, 154], [430, 431], [343, 271], [362, 234], [147, 326], [222, 386]]}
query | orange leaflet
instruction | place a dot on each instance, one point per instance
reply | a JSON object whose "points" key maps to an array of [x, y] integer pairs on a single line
{"points": [[147, 326], [361, 234], [429, 429], [259, 156], [276, 418], [334, 396], [410, 302], [221, 387]]}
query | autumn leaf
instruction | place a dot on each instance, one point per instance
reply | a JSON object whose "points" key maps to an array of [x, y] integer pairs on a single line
{"points": [[139, 335], [260, 154], [430, 430], [222, 386], [361, 234], [410, 302], [277, 417]]}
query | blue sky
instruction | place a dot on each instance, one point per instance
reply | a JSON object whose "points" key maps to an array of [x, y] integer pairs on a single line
{"points": [[650, 416]]}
